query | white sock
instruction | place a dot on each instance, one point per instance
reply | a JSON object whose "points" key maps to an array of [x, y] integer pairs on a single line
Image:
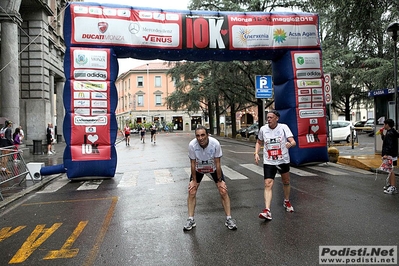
{"points": [[191, 218], [228, 217]]}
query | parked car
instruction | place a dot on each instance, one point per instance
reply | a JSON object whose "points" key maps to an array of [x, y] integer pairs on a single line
{"points": [[359, 126], [248, 131], [369, 126], [341, 130]]}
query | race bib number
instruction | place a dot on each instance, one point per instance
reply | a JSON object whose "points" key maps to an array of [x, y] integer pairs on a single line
{"points": [[205, 166], [274, 149]]}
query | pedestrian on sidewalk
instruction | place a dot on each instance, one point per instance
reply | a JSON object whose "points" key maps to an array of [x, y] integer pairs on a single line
{"points": [[6, 143], [205, 153], [390, 148], [17, 141], [277, 138], [49, 138]]}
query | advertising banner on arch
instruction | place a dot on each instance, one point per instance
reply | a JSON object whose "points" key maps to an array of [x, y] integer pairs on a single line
{"points": [[310, 99], [129, 27]]}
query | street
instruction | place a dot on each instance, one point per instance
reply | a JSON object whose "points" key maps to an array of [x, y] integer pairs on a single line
{"points": [[137, 217]]}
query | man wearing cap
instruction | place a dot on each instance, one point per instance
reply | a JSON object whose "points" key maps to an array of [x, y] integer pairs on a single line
{"points": [[277, 138]]}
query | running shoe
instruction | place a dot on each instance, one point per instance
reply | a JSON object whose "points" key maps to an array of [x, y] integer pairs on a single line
{"points": [[266, 214], [391, 190], [190, 224], [231, 224], [288, 207]]}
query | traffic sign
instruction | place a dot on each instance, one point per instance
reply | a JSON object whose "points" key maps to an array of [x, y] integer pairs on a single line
{"points": [[263, 87], [327, 88]]}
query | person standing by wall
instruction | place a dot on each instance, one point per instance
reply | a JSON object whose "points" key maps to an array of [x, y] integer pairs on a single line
{"points": [[17, 140], [49, 139], [6, 144], [205, 153], [277, 138], [21, 134], [390, 148]]}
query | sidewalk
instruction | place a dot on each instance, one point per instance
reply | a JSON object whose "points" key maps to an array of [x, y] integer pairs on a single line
{"points": [[19, 187]]}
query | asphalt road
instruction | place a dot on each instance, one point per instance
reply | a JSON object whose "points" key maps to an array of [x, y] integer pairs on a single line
{"points": [[137, 217]]}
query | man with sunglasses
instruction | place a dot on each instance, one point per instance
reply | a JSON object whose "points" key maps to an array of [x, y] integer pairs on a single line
{"points": [[205, 153], [277, 138]]}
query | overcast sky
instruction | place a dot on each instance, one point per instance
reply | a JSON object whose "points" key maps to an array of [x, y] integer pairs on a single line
{"points": [[128, 63]]}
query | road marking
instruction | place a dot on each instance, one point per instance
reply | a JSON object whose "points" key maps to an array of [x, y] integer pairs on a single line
{"points": [[300, 172], [232, 174], [36, 238], [163, 176], [6, 232], [327, 170], [100, 237], [206, 178], [54, 186], [349, 168], [90, 185], [66, 252], [256, 168], [129, 179]]}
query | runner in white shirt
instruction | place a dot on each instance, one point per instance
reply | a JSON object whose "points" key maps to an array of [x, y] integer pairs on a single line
{"points": [[205, 153], [277, 138]]}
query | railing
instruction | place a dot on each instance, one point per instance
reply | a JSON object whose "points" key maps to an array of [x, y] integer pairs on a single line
{"points": [[12, 166]]}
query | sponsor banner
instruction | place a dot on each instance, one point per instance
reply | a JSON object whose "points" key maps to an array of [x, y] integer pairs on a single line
{"points": [[359, 255], [90, 59], [90, 86], [308, 82], [273, 36], [82, 111], [119, 26], [90, 138], [308, 73], [89, 74]]}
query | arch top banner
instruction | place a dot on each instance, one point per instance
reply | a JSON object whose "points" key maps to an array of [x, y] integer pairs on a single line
{"points": [[190, 35]]}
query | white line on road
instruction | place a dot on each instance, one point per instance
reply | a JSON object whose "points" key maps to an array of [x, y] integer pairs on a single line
{"points": [[129, 179]]}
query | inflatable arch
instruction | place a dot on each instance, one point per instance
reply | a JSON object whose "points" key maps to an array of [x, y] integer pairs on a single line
{"points": [[97, 34]]}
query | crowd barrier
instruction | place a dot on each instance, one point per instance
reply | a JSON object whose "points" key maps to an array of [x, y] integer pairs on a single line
{"points": [[12, 166]]}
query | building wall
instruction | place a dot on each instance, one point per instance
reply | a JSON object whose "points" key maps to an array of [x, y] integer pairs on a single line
{"points": [[138, 92], [40, 67]]}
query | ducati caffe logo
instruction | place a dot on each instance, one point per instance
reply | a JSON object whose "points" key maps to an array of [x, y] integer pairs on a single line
{"points": [[102, 26]]}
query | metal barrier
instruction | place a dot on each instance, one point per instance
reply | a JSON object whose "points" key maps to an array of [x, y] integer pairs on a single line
{"points": [[12, 166]]}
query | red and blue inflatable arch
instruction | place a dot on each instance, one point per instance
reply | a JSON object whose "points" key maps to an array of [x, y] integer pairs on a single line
{"points": [[96, 35]]}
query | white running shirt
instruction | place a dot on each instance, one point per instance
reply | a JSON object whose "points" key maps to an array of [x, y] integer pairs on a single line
{"points": [[204, 158], [275, 152]]}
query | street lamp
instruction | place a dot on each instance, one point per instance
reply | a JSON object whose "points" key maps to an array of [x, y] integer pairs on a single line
{"points": [[148, 90], [393, 31]]}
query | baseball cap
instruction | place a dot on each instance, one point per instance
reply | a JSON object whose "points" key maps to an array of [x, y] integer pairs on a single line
{"points": [[275, 112]]}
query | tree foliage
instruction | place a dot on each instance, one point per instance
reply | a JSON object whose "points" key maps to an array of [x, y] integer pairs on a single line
{"points": [[356, 51]]}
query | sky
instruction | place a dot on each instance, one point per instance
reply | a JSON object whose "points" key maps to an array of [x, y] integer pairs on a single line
{"points": [[129, 63]]}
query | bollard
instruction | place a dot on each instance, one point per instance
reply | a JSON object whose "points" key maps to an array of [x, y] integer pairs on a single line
{"points": [[333, 154], [37, 147]]}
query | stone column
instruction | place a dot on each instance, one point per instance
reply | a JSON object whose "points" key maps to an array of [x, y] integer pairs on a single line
{"points": [[51, 96], [60, 110], [10, 19]]}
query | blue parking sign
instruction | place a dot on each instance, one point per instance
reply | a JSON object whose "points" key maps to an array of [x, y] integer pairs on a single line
{"points": [[263, 87]]}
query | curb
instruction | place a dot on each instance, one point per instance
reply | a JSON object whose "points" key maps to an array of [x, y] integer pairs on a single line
{"points": [[28, 190]]}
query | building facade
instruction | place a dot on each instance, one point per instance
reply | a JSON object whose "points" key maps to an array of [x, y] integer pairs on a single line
{"points": [[31, 65], [142, 93]]}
